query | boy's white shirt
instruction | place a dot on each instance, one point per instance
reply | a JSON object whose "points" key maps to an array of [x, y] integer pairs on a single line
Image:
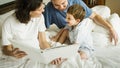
{"points": [[82, 32], [81, 35]]}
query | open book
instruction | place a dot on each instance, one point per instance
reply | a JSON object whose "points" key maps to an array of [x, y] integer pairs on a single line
{"points": [[50, 54]]}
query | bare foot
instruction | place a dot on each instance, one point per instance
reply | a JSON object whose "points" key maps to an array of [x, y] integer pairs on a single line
{"points": [[83, 55]]}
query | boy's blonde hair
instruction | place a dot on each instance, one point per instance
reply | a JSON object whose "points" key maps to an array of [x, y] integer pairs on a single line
{"points": [[77, 11]]}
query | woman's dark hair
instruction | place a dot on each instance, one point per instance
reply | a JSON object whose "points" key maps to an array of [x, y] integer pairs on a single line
{"points": [[23, 8], [77, 11]]}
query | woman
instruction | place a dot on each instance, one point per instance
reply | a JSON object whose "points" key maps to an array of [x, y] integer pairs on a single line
{"points": [[25, 28]]}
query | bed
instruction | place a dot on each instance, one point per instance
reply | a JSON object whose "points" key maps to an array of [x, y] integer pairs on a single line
{"points": [[107, 55]]}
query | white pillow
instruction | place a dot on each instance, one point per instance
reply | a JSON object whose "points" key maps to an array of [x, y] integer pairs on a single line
{"points": [[102, 10]]}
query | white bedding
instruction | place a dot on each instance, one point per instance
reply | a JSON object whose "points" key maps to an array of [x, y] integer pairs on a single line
{"points": [[106, 54]]}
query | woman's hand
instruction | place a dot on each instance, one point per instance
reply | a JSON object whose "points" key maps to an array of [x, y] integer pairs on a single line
{"points": [[15, 52], [58, 61], [113, 35]]}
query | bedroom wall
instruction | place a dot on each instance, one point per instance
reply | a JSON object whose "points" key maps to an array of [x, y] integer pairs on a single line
{"points": [[114, 5], [5, 1], [45, 1]]}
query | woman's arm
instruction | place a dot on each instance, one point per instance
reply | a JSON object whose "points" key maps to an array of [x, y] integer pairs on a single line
{"points": [[99, 20], [42, 40]]}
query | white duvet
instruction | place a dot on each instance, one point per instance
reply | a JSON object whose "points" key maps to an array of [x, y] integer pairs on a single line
{"points": [[107, 55]]}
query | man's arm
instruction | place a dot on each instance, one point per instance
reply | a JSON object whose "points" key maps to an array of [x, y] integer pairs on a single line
{"points": [[99, 20]]}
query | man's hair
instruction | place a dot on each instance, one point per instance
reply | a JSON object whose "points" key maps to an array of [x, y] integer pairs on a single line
{"points": [[77, 11], [23, 8]]}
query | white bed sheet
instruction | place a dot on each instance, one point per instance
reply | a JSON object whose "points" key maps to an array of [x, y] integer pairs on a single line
{"points": [[105, 57]]}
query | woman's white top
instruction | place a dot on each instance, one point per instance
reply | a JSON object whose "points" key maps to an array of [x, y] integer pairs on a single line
{"points": [[23, 34]]}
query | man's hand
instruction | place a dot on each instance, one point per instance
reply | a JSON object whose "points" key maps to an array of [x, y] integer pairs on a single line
{"points": [[113, 35], [15, 52]]}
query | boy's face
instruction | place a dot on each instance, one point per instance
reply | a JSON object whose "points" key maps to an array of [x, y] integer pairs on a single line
{"points": [[60, 4], [71, 20]]}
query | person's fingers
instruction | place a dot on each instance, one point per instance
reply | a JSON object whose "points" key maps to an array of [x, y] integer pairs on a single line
{"points": [[110, 35], [62, 60], [53, 62], [56, 61], [20, 54], [116, 40], [115, 37], [15, 51]]}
